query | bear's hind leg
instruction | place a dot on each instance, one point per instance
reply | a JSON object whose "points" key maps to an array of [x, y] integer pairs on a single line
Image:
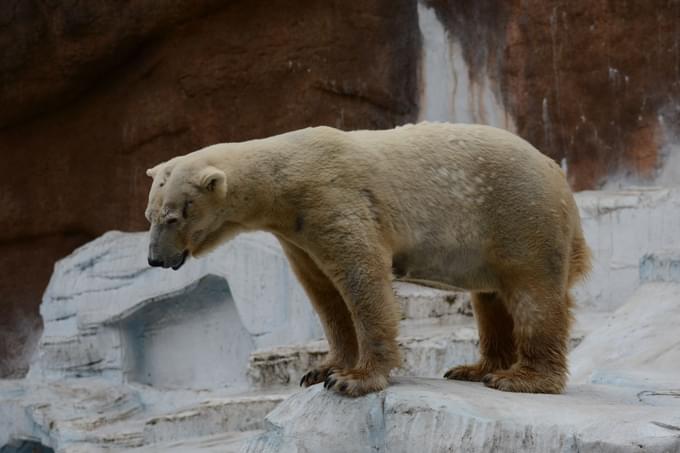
{"points": [[542, 320], [335, 317], [496, 342]]}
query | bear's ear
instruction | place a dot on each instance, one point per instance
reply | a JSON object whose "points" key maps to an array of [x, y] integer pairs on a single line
{"points": [[153, 170], [212, 179]]}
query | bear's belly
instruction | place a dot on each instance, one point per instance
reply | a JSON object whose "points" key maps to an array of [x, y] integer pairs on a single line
{"points": [[454, 268]]}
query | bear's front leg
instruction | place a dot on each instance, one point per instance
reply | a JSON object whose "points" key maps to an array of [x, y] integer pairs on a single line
{"points": [[364, 282], [335, 317]]}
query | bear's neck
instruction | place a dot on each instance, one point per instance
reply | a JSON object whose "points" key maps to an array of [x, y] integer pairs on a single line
{"points": [[252, 189]]}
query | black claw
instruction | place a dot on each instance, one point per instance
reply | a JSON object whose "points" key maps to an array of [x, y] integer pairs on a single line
{"points": [[342, 387], [329, 383], [302, 381], [487, 378]]}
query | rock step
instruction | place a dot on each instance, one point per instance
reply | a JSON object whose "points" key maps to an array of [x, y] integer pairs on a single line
{"points": [[427, 351], [90, 415], [228, 414], [663, 266], [419, 302], [228, 442], [218, 424], [223, 442]]}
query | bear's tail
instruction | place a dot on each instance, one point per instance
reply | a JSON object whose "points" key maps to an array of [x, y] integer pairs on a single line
{"points": [[580, 261]]}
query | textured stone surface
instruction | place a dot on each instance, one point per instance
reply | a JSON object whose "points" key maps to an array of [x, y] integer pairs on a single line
{"points": [[420, 303], [646, 350], [621, 227], [660, 267], [107, 313], [92, 415], [595, 84], [435, 415], [217, 415], [129, 85]]}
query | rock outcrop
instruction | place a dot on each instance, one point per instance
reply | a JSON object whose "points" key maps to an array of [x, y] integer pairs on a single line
{"points": [[435, 416], [107, 313]]}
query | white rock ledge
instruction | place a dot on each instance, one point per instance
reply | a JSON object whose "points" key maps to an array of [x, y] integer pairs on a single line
{"points": [[427, 415]]}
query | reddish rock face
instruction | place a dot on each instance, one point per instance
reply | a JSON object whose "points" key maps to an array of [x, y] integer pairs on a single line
{"points": [[100, 91], [93, 93], [591, 82]]}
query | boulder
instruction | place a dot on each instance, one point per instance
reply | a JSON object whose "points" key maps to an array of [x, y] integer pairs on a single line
{"points": [[107, 313]]}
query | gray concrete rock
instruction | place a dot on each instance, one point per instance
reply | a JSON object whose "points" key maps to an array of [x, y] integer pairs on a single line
{"points": [[91, 414], [621, 227], [422, 415], [638, 344], [661, 267], [107, 313]]}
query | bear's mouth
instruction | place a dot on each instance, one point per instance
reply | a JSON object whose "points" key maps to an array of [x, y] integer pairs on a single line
{"points": [[180, 263]]}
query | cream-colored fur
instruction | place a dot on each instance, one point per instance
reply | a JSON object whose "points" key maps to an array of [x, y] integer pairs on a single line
{"points": [[465, 206]]}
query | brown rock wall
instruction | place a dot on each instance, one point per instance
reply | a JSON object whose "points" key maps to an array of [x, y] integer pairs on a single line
{"points": [[102, 90], [592, 82]]}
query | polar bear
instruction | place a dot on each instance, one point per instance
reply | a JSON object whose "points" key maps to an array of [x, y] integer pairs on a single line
{"points": [[450, 205]]}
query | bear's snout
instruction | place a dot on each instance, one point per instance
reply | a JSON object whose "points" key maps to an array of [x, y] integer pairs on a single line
{"points": [[155, 263], [174, 262]]}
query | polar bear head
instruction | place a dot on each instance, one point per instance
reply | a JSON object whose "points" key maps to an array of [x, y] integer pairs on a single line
{"points": [[184, 209]]}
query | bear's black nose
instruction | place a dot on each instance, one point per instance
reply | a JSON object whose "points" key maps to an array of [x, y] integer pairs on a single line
{"points": [[155, 263]]}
